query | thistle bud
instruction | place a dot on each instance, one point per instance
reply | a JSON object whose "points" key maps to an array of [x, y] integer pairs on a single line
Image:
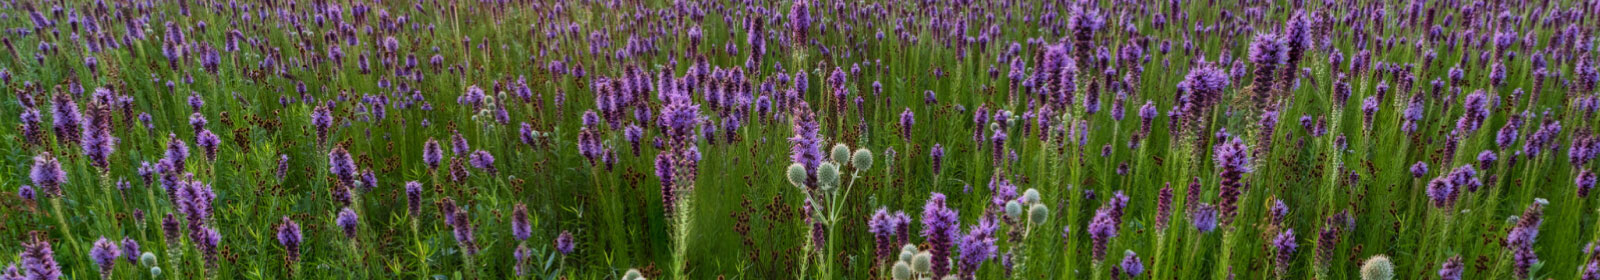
{"points": [[1377, 268], [1038, 214], [797, 175], [840, 153], [828, 175], [862, 159]]}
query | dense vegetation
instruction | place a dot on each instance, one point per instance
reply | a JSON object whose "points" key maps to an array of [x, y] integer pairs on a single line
{"points": [[704, 139]]}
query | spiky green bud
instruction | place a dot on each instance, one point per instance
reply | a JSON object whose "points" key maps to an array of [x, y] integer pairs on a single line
{"points": [[1377, 268], [840, 153], [828, 175], [862, 159], [1039, 214], [1013, 209], [902, 271], [797, 175]]}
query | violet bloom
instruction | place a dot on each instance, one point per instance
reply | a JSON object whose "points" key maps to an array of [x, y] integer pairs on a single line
{"points": [[800, 22], [177, 153], [1104, 225], [414, 198], [906, 120], [47, 174], [1585, 182], [321, 119], [1267, 52], [130, 249], [99, 143], [565, 243], [1285, 246], [208, 143], [940, 228], [289, 237], [805, 147], [1233, 159], [483, 160], [1452, 268], [937, 157], [1132, 265], [26, 192], [432, 154], [1441, 192], [1163, 207], [348, 221], [521, 229], [38, 260], [461, 227], [342, 166], [881, 226], [1204, 218], [978, 246], [66, 119], [1520, 239], [105, 253]]}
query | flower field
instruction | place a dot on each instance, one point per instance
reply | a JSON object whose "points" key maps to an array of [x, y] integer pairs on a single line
{"points": [[799, 139]]}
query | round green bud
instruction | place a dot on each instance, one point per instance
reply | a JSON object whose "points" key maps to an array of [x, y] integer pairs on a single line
{"points": [[905, 256], [862, 159], [797, 175], [155, 272], [147, 259], [632, 274], [1030, 196], [1039, 214], [1377, 268], [994, 126], [1013, 209], [902, 271], [840, 153], [828, 175], [922, 263]]}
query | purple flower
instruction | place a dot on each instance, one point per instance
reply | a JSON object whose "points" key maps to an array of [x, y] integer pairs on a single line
{"points": [[432, 154], [208, 143], [130, 250], [1520, 239], [483, 160], [940, 228], [1285, 246], [882, 228], [1452, 268], [289, 237], [348, 221], [38, 261], [1267, 52], [565, 243], [66, 119], [937, 157], [1105, 223], [805, 147], [906, 119], [177, 153], [105, 253], [98, 142], [1486, 159], [520, 228], [800, 22], [458, 145], [26, 192], [1204, 218], [461, 227], [1585, 181], [978, 246], [47, 174], [342, 166], [1419, 169], [322, 119], [1477, 110], [1163, 207], [1233, 160], [414, 197], [1441, 192], [1131, 264]]}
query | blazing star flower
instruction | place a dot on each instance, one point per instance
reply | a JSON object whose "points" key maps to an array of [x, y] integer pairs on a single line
{"points": [[289, 237], [521, 229], [1285, 246], [1452, 268], [105, 254], [977, 246], [348, 221], [38, 260], [1204, 218], [342, 166], [48, 175], [940, 228], [565, 243], [1131, 264], [1233, 158], [130, 250], [432, 154]]}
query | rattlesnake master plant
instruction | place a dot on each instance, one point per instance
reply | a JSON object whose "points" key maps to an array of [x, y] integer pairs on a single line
{"points": [[1377, 268]]}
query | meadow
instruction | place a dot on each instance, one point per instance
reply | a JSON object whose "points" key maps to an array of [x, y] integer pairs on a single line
{"points": [[799, 139]]}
